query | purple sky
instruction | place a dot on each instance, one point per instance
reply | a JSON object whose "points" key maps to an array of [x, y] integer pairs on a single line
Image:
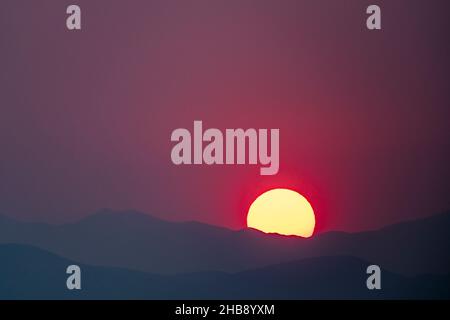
{"points": [[86, 116]]}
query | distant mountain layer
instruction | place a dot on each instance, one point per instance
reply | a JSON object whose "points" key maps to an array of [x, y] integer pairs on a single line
{"points": [[30, 273], [141, 242]]}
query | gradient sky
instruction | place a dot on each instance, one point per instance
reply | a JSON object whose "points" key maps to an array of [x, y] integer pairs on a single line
{"points": [[86, 117]]}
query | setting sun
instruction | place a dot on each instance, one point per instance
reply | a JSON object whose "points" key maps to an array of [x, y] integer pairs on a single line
{"points": [[282, 211]]}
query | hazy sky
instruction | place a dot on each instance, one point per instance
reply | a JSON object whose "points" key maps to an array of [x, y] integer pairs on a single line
{"points": [[86, 116]]}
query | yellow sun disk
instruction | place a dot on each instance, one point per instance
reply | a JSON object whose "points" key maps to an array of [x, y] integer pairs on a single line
{"points": [[282, 211]]}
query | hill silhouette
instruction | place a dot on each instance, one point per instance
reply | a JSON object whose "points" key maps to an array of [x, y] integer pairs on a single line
{"points": [[141, 242], [27, 272]]}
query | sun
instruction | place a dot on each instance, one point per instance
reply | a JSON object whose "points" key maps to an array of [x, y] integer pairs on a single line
{"points": [[282, 211]]}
